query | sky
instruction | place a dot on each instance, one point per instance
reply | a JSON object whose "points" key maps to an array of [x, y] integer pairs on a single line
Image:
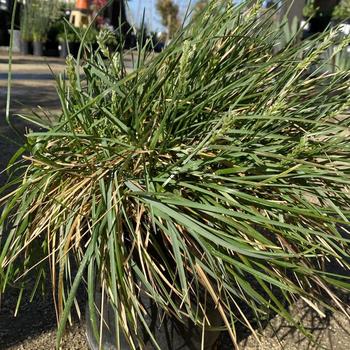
{"points": [[152, 19], [153, 22]]}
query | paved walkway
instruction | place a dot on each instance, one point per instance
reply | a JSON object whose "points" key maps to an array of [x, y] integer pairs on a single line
{"points": [[33, 84], [31, 90]]}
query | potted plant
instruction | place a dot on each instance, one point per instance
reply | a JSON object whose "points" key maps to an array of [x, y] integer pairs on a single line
{"points": [[69, 42], [38, 43], [56, 26], [211, 179], [61, 38], [26, 17], [36, 21], [52, 43], [71, 39], [40, 24], [63, 30]]}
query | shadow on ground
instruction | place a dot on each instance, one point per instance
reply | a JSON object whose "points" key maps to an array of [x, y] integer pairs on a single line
{"points": [[39, 314], [30, 60]]}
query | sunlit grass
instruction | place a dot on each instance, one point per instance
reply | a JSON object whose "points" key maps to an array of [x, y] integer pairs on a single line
{"points": [[216, 170]]}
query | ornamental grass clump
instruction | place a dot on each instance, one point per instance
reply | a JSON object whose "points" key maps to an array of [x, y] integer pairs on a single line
{"points": [[215, 173]]}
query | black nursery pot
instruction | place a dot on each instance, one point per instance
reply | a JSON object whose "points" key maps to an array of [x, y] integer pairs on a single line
{"points": [[63, 49], [73, 48], [38, 48], [26, 47], [169, 333], [51, 49]]}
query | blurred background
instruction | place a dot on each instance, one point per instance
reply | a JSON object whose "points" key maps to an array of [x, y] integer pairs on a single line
{"points": [[41, 25]]}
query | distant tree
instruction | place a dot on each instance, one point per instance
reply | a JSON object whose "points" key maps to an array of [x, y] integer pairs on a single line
{"points": [[169, 12], [198, 7]]}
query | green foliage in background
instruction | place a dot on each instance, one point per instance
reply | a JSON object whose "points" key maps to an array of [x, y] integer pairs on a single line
{"points": [[36, 17], [215, 173], [342, 10], [309, 9], [26, 23], [75, 35], [199, 6], [41, 18]]}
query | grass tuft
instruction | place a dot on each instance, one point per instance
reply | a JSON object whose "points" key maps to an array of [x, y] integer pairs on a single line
{"points": [[217, 170]]}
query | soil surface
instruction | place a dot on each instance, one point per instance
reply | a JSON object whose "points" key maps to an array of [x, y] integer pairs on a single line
{"points": [[34, 328]]}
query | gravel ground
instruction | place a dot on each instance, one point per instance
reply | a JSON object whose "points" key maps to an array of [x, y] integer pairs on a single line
{"points": [[34, 329], [34, 326], [330, 332]]}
